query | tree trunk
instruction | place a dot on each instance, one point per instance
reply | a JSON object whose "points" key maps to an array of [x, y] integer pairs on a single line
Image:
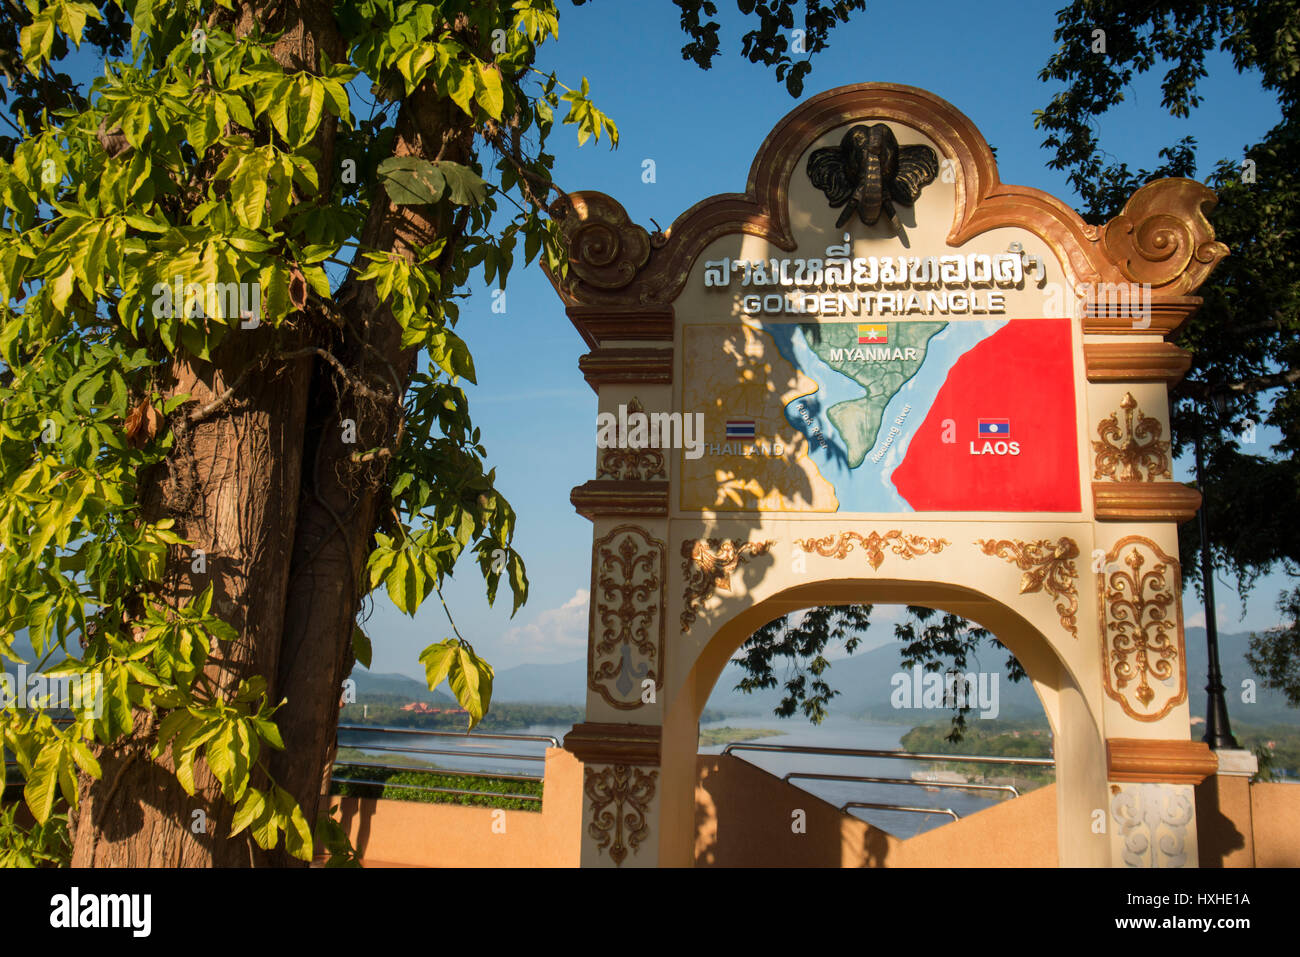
{"points": [[232, 486], [267, 487], [339, 509]]}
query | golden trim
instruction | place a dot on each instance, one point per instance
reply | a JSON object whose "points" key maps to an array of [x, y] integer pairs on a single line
{"points": [[609, 498], [1144, 501], [594, 742], [627, 579], [629, 790], [1160, 317], [1048, 568], [707, 565], [650, 366], [622, 323], [1133, 611], [874, 544], [1159, 762], [1132, 448], [1136, 362]]}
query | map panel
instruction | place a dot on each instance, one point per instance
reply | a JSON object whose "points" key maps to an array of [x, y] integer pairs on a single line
{"points": [[914, 415]]}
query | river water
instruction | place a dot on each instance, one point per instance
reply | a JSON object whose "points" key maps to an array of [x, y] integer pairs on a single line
{"points": [[484, 754]]}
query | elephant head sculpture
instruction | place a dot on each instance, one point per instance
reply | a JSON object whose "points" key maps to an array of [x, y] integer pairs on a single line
{"points": [[869, 172]]}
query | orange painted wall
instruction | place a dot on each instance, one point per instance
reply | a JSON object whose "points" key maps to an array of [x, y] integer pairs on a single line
{"points": [[1275, 815], [744, 819], [408, 834]]}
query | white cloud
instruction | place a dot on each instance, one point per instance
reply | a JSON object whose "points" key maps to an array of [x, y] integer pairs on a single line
{"points": [[1196, 619], [555, 634]]}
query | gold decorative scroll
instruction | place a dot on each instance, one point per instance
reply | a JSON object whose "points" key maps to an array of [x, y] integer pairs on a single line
{"points": [[1162, 237], [1142, 629], [606, 249], [625, 463], [1047, 568], [1126, 450], [874, 544], [707, 565], [620, 798], [626, 645]]}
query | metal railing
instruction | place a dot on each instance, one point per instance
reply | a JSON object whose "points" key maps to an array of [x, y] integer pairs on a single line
{"points": [[902, 807], [895, 755], [453, 752], [920, 783]]}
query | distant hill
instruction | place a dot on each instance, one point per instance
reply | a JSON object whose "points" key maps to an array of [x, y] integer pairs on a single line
{"points": [[542, 684], [1270, 706], [522, 684], [408, 688], [865, 681]]}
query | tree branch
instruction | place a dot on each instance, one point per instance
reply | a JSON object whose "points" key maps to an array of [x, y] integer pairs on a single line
{"points": [[1203, 390]]}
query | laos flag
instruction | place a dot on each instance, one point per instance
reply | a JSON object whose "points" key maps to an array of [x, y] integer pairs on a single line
{"points": [[995, 428]]}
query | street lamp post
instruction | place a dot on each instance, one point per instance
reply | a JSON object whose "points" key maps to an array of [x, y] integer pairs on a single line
{"points": [[1218, 731]]}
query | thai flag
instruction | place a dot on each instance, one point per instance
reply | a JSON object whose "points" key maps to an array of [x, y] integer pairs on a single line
{"points": [[740, 428], [995, 428]]}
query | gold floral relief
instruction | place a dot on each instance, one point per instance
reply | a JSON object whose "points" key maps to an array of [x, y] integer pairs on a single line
{"points": [[1046, 567], [1130, 448], [620, 797], [874, 545], [626, 646], [707, 565], [625, 463], [1142, 629]]}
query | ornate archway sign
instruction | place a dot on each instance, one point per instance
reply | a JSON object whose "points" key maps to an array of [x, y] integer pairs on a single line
{"points": [[880, 372]]}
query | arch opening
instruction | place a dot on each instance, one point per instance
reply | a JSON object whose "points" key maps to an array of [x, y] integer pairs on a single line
{"points": [[1073, 726]]}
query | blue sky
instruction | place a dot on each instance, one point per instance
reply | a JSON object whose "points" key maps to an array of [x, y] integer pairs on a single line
{"points": [[702, 130]]}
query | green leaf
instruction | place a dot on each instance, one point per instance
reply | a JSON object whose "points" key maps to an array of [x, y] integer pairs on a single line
{"points": [[397, 584], [36, 41], [437, 659], [85, 759], [361, 647], [297, 836], [412, 181], [43, 781], [470, 678], [248, 811], [490, 95]]}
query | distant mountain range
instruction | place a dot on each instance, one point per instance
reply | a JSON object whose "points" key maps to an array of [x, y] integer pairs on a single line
{"points": [[531, 684], [409, 688], [865, 682]]}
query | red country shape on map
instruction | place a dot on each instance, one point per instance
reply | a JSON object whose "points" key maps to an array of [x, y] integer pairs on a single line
{"points": [[1023, 372]]}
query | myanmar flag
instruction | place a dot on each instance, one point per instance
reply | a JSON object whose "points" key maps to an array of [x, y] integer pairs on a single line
{"points": [[874, 335]]}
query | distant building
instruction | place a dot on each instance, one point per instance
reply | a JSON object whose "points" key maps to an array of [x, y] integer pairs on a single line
{"points": [[420, 707]]}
